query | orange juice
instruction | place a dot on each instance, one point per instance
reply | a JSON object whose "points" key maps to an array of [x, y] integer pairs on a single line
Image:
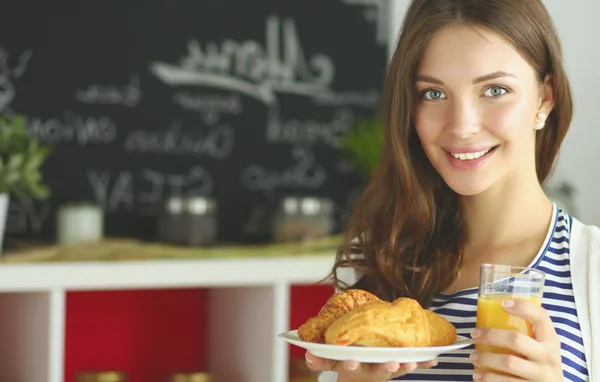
{"points": [[498, 282], [491, 314]]}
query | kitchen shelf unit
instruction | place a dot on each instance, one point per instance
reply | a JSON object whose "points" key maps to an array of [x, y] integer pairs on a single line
{"points": [[248, 305]]}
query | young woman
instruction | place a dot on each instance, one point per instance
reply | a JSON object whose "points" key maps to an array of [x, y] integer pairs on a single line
{"points": [[476, 106]]}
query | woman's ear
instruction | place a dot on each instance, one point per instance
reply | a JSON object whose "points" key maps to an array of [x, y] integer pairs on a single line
{"points": [[546, 103]]}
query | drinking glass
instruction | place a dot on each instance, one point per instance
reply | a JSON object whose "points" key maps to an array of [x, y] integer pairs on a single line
{"points": [[502, 282]]}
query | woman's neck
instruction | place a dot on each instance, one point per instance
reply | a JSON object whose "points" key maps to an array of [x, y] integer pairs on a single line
{"points": [[506, 223]]}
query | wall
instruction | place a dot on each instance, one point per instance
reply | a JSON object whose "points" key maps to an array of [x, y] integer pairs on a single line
{"points": [[576, 21]]}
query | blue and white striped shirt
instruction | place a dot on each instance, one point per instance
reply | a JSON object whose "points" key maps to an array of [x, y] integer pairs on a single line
{"points": [[460, 309]]}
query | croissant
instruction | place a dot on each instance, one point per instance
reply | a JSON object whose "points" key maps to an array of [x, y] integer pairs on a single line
{"points": [[339, 304], [443, 333], [402, 323], [358, 318]]}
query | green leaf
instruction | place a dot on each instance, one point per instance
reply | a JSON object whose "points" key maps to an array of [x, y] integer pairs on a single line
{"points": [[21, 158], [34, 161], [11, 177], [15, 161], [363, 145]]}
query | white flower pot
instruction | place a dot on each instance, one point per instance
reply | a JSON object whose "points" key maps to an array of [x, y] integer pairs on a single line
{"points": [[4, 200]]}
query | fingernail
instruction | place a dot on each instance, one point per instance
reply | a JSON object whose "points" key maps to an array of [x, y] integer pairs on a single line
{"points": [[410, 368], [476, 376], [508, 303], [394, 368], [353, 366], [474, 356], [475, 333], [435, 363], [307, 357]]}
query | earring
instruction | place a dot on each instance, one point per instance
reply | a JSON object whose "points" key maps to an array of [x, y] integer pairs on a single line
{"points": [[542, 117]]}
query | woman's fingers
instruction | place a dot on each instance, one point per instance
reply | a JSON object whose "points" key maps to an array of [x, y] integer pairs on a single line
{"points": [[387, 371], [371, 372], [506, 363], [352, 370], [532, 359], [427, 365], [538, 316], [514, 340], [319, 364]]}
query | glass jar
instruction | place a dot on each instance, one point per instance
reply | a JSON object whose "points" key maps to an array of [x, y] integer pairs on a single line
{"points": [[303, 218], [201, 216], [171, 223], [189, 221]]}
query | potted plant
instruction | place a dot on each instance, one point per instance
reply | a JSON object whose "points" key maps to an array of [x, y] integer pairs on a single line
{"points": [[21, 157], [363, 145]]}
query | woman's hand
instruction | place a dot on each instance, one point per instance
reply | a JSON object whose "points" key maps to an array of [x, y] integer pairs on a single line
{"points": [[365, 372], [539, 357]]}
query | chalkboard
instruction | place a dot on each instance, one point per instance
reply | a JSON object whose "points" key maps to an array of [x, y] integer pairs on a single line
{"points": [[244, 101]]}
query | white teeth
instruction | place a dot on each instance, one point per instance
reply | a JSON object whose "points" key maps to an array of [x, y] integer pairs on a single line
{"points": [[471, 156]]}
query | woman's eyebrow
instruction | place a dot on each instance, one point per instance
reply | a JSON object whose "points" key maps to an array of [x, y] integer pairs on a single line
{"points": [[486, 77]]}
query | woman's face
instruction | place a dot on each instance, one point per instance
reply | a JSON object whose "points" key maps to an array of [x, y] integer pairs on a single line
{"points": [[477, 108]]}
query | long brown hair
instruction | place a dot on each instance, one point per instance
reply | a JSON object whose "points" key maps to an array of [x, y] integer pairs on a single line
{"points": [[406, 227]]}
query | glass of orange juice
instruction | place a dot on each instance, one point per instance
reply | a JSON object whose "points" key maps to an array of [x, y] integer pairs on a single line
{"points": [[503, 282]]}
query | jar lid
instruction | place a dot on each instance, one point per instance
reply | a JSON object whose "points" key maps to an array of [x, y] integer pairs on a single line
{"points": [[174, 205], [199, 205], [190, 377], [307, 206]]}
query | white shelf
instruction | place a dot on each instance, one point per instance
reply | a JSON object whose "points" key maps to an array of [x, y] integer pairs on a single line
{"points": [[15, 277], [249, 304]]}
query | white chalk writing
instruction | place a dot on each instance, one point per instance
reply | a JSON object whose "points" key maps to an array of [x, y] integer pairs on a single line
{"points": [[124, 191], [7, 74], [128, 95], [217, 142], [210, 106], [251, 69], [306, 174], [25, 216], [310, 131], [368, 98], [73, 128]]}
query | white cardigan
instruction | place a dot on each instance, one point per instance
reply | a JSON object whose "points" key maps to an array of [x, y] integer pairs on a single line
{"points": [[585, 273], [584, 252]]}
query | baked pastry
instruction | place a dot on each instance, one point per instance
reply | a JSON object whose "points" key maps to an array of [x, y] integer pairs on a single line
{"points": [[339, 304], [443, 333], [359, 318], [401, 323]]}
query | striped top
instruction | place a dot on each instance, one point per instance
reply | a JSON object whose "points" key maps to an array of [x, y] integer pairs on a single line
{"points": [[460, 309]]}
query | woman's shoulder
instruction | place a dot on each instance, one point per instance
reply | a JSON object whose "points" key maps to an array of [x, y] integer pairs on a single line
{"points": [[585, 246], [585, 233]]}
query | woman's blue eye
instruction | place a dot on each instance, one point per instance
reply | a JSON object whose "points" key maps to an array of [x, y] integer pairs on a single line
{"points": [[495, 91], [433, 94]]}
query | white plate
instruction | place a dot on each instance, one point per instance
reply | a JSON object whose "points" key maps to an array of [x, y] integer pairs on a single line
{"points": [[374, 354]]}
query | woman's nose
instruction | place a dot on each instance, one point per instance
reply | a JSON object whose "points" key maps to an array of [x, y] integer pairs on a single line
{"points": [[464, 119]]}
